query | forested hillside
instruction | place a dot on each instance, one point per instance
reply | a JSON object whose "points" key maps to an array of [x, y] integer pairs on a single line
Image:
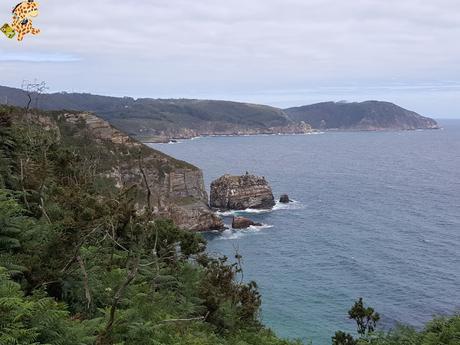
{"points": [[164, 119], [81, 263], [160, 120], [369, 115]]}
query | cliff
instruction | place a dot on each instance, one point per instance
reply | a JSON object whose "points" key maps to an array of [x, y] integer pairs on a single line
{"points": [[241, 192], [370, 115], [169, 187]]}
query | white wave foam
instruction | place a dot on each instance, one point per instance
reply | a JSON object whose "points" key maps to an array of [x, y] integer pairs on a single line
{"points": [[257, 228], [229, 235], [239, 212], [225, 213], [293, 205], [234, 234]]}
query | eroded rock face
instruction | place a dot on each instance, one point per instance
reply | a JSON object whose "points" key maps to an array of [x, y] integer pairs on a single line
{"points": [[176, 188], [195, 217], [243, 223], [241, 192]]}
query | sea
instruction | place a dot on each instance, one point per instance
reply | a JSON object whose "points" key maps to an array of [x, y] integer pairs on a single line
{"points": [[375, 215]]}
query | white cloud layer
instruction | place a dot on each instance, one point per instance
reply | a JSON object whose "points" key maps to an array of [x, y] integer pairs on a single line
{"points": [[283, 52]]}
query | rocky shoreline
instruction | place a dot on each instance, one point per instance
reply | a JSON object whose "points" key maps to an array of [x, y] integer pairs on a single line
{"points": [[165, 138]]}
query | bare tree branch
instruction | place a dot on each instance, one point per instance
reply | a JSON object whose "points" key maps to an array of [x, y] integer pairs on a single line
{"points": [[85, 281], [101, 339], [149, 192], [200, 318]]}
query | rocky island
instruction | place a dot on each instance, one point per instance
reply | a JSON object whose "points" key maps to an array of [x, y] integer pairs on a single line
{"points": [[241, 192]]}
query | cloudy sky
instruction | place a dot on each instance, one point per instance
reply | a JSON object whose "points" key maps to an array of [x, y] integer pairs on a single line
{"points": [[278, 52]]}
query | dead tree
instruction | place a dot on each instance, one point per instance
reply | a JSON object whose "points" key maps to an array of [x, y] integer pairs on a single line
{"points": [[33, 88]]}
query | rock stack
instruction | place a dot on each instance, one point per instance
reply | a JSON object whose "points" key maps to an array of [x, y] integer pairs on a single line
{"points": [[241, 192], [284, 199]]}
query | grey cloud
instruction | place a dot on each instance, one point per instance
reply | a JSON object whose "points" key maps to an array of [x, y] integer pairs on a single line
{"points": [[217, 47]]}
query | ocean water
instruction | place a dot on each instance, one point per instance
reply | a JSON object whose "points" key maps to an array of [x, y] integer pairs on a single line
{"points": [[376, 214]]}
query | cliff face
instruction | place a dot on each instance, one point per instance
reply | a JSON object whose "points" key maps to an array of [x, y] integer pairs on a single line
{"points": [[241, 192], [213, 129], [370, 115], [172, 188]]}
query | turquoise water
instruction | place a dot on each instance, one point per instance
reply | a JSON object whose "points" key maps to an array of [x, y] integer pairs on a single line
{"points": [[376, 215]]}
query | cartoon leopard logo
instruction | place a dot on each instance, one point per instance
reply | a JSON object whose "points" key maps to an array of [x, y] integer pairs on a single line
{"points": [[22, 22]]}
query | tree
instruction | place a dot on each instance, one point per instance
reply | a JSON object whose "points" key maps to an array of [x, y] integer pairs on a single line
{"points": [[37, 319], [366, 318], [11, 220], [366, 321], [342, 338], [31, 88]]}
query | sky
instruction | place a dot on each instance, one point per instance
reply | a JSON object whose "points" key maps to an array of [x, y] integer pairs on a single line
{"points": [[277, 52]]}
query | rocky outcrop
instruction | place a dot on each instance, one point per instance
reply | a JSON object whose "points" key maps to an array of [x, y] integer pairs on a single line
{"points": [[217, 129], [195, 216], [243, 223], [170, 188], [241, 192], [284, 199]]}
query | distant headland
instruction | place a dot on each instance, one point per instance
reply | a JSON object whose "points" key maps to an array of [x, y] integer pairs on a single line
{"points": [[162, 120]]}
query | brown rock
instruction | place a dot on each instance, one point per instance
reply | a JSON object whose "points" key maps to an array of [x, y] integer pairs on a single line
{"points": [[195, 217], [171, 188], [284, 199], [241, 192], [243, 223]]}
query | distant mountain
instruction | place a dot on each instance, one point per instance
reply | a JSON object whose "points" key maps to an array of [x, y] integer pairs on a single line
{"points": [[160, 120], [164, 119], [369, 115]]}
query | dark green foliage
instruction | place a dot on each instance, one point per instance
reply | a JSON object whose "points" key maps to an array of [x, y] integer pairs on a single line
{"points": [[229, 305], [152, 118], [37, 319], [342, 338], [160, 115], [366, 318], [440, 331], [82, 265], [6, 148], [364, 115], [11, 223]]}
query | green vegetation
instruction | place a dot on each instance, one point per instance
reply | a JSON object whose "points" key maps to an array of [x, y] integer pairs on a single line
{"points": [[440, 331], [79, 264], [158, 120], [369, 115]]}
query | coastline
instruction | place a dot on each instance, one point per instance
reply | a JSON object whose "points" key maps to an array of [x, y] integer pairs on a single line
{"points": [[176, 140]]}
